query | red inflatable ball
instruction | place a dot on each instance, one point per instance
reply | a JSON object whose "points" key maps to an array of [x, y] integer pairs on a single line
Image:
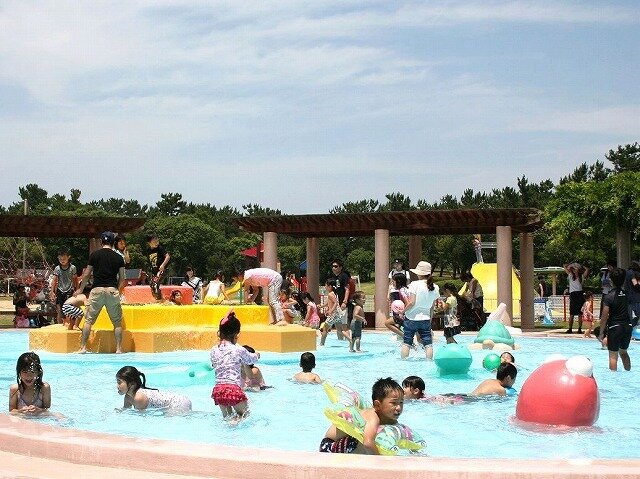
{"points": [[560, 392]]}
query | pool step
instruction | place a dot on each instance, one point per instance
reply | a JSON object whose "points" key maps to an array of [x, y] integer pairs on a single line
{"points": [[263, 337]]}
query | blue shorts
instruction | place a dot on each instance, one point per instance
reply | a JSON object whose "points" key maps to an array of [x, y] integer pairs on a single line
{"points": [[423, 328]]}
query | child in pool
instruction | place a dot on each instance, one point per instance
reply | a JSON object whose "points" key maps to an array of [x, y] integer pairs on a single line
{"points": [[388, 401], [587, 314], [132, 385], [251, 375], [71, 312], [30, 395], [357, 322], [414, 387], [307, 363], [399, 291], [502, 385], [333, 313], [507, 357], [227, 359], [312, 318]]}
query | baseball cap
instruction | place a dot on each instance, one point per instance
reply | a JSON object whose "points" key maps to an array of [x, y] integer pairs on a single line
{"points": [[398, 260], [107, 237]]}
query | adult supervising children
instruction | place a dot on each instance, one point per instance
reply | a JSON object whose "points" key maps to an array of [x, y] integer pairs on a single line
{"points": [[342, 292], [615, 322], [265, 278], [107, 268], [576, 274], [422, 294]]}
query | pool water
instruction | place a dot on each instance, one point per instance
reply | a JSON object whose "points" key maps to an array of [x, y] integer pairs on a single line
{"points": [[290, 416]]}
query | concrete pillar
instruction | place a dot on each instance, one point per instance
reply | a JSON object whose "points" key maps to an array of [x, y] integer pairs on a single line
{"points": [[526, 282], [94, 244], [503, 253], [623, 247], [415, 253], [270, 250], [380, 301], [313, 269]]}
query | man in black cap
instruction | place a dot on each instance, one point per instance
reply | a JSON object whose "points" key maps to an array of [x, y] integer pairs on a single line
{"points": [[107, 268]]}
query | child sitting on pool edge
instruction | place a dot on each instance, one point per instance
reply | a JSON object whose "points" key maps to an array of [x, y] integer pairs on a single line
{"points": [[502, 385], [307, 363], [388, 401]]}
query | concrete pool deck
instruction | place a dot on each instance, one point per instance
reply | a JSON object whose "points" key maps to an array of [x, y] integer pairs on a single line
{"points": [[60, 453]]}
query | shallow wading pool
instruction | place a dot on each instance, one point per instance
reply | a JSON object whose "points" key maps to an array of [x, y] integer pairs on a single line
{"points": [[290, 416]]}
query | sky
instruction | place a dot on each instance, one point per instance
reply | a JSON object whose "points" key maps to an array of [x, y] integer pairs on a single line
{"points": [[303, 106]]}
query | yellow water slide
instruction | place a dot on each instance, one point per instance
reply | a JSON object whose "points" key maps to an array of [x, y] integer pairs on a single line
{"points": [[487, 276], [233, 289]]}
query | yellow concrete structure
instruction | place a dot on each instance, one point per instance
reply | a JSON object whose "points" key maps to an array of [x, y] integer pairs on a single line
{"points": [[282, 339], [161, 328]]}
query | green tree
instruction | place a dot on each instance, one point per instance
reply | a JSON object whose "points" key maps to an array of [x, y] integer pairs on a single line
{"points": [[582, 218], [361, 262], [37, 200], [257, 210], [290, 257], [625, 158], [171, 204], [190, 241], [595, 172], [362, 206], [397, 202]]}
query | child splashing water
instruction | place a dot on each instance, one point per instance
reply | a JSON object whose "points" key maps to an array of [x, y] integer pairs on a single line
{"points": [[132, 385], [227, 359], [30, 395]]}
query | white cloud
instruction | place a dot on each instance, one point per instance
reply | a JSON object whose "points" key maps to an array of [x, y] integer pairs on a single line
{"points": [[237, 91], [456, 12], [621, 121]]}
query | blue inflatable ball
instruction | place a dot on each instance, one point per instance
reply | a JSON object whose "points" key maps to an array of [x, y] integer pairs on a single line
{"points": [[452, 359], [635, 333], [491, 361]]}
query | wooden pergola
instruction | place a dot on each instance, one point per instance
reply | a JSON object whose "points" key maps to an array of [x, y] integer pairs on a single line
{"points": [[32, 226], [415, 224]]}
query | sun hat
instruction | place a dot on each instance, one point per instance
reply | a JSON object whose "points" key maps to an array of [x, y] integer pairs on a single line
{"points": [[423, 268]]}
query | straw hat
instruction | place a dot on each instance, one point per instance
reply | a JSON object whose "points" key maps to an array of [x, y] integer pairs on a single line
{"points": [[423, 268]]}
